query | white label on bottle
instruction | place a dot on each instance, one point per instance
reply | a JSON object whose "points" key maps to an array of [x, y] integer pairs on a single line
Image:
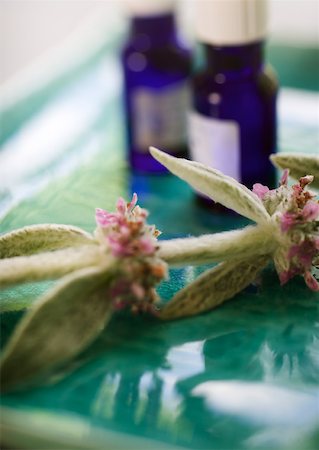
{"points": [[215, 143], [159, 116]]}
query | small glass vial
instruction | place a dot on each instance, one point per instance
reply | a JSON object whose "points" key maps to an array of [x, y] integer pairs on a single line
{"points": [[232, 125], [156, 69]]}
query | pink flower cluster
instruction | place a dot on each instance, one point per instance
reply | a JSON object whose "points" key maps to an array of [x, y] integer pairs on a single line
{"points": [[299, 224], [263, 191], [135, 289], [302, 206], [134, 242], [126, 230]]}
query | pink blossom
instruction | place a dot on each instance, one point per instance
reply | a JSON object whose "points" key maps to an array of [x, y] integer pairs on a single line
{"points": [[311, 282], [133, 242], [125, 230], [132, 203], [117, 248], [287, 221], [141, 213], [284, 178], [304, 181], [104, 218], [301, 208], [298, 221], [121, 205], [303, 254], [300, 257], [138, 290], [297, 190], [147, 246], [260, 190], [310, 211]]}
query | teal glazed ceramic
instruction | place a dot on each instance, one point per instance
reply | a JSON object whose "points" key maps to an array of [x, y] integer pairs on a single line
{"points": [[244, 376]]}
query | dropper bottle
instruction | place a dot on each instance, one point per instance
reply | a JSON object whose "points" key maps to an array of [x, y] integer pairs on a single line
{"points": [[156, 67], [232, 124]]}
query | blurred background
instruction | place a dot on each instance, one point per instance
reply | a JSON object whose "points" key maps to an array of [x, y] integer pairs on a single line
{"points": [[34, 30], [61, 81]]}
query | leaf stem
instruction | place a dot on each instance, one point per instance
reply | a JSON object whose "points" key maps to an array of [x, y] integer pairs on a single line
{"points": [[49, 265], [238, 244]]}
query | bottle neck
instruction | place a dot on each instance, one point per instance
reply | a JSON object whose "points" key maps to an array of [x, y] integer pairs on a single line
{"points": [[233, 61], [153, 30]]}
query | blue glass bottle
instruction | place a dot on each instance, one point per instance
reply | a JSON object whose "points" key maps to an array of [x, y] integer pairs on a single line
{"points": [[156, 69], [233, 119]]}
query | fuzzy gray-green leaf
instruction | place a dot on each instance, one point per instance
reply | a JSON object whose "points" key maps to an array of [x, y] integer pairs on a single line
{"points": [[213, 287], [299, 165], [42, 238], [213, 183], [58, 326], [48, 266]]}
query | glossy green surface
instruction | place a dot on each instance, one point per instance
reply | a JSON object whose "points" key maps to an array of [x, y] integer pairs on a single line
{"points": [[243, 376], [297, 66]]}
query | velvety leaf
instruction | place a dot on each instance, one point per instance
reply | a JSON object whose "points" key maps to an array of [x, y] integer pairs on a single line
{"points": [[58, 326], [239, 244], [42, 238], [213, 183], [213, 287], [299, 165], [48, 266]]}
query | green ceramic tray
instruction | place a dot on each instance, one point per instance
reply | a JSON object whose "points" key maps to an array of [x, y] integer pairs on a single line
{"points": [[243, 376]]}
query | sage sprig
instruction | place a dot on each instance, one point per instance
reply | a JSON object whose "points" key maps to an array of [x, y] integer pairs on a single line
{"points": [[116, 267], [119, 265], [287, 228]]}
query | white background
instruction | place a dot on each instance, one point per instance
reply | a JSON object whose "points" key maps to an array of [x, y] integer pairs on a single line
{"points": [[30, 29]]}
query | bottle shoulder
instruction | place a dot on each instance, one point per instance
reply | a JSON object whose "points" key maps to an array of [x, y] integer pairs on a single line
{"points": [[169, 58], [173, 49], [207, 82]]}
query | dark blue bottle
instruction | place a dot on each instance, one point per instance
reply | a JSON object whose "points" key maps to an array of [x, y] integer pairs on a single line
{"points": [[156, 83], [233, 118]]}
